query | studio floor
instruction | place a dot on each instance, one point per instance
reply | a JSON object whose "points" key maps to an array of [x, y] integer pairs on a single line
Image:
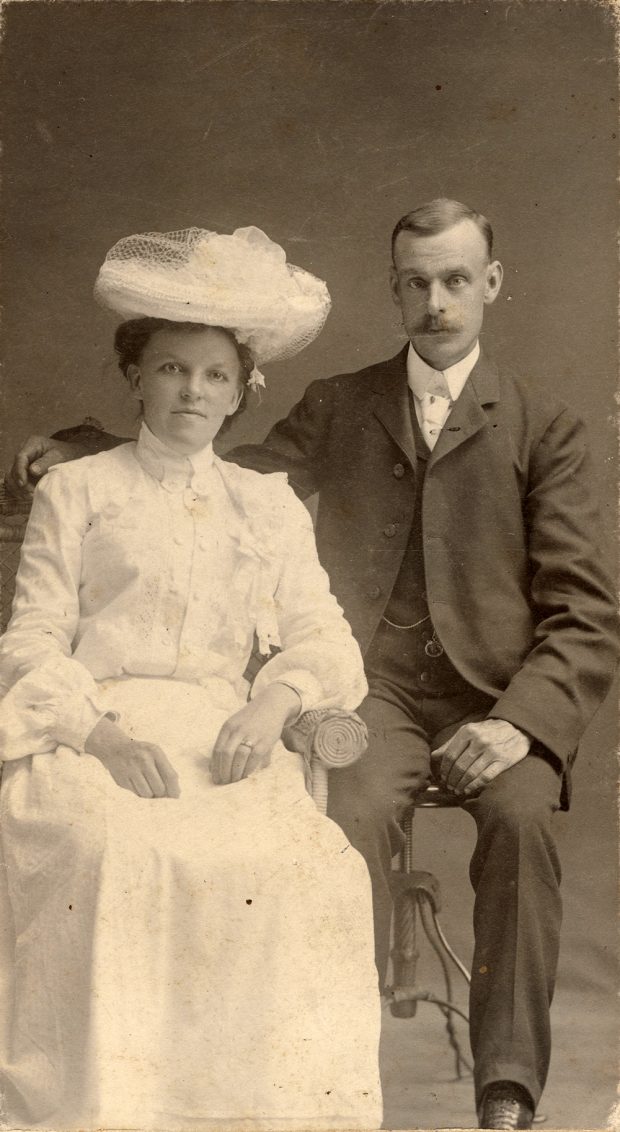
{"points": [[421, 1089]]}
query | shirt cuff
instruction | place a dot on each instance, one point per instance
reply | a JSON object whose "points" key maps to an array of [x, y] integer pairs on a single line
{"points": [[308, 688]]}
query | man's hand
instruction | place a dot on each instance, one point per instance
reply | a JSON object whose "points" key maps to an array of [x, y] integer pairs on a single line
{"points": [[247, 739], [35, 458], [140, 767], [478, 753]]}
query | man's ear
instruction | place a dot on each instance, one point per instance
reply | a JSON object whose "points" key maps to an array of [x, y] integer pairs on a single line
{"points": [[394, 285], [133, 377], [495, 274]]}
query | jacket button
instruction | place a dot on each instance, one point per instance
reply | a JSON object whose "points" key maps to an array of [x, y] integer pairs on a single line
{"points": [[424, 677], [398, 471], [374, 591], [390, 530]]}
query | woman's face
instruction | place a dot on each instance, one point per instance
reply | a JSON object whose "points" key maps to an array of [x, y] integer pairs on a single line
{"points": [[188, 382]]}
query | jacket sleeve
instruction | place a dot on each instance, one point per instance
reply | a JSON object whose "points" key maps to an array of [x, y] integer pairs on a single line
{"points": [[320, 658], [48, 698], [569, 669], [295, 444]]}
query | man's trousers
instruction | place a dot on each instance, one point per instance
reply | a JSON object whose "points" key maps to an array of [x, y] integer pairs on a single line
{"points": [[514, 870]]}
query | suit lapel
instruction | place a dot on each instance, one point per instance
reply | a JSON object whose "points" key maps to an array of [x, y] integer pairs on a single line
{"points": [[392, 404], [468, 415]]}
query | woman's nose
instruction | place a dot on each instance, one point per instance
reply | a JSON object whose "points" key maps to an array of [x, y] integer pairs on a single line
{"points": [[192, 386]]}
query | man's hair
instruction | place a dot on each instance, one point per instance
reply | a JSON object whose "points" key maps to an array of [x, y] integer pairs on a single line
{"points": [[438, 215]]}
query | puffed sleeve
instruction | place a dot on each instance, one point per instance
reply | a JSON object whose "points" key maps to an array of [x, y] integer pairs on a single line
{"points": [[48, 698], [320, 658]]}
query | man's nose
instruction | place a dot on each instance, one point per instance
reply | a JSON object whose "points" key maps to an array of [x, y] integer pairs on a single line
{"points": [[436, 299]]}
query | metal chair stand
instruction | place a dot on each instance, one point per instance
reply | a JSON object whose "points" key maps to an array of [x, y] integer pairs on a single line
{"points": [[418, 893]]}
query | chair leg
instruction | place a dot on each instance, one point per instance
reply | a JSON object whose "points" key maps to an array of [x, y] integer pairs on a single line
{"points": [[443, 953], [405, 952], [415, 891]]}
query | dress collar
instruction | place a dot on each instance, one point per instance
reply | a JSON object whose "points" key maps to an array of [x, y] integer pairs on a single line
{"points": [[419, 373], [174, 471]]}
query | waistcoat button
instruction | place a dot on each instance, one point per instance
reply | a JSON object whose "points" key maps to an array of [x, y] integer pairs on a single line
{"points": [[390, 530], [398, 471], [374, 591]]}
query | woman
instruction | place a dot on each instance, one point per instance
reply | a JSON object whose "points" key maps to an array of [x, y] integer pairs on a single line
{"points": [[192, 942]]}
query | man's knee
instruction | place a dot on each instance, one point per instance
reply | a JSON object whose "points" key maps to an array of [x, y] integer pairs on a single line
{"points": [[369, 805], [368, 817], [522, 798], [368, 799]]}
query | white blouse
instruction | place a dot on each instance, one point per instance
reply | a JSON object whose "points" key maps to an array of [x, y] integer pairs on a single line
{"points": [[142, 562]]}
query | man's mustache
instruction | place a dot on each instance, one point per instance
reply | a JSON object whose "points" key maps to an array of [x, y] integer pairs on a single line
{"points": [[430, 325]]}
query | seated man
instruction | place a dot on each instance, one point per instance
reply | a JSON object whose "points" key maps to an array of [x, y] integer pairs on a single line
{"points": [[457, 525]]}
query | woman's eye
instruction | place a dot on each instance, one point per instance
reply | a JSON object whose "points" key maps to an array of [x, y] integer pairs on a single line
{"points": [[217, 375], [171, 367]]}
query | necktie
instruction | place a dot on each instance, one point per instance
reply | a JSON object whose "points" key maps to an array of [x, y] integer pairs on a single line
{"points": [[436, 404]]}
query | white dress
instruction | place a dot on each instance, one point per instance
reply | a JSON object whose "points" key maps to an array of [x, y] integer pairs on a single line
{"points": [[198, 962]]}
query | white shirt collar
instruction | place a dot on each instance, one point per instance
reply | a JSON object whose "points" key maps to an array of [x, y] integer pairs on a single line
{"points": [[419, 372], [174, 471]]}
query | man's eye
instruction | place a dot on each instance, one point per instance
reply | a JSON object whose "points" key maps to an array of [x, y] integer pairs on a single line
{"points": [[416, 284], [457, 281]]}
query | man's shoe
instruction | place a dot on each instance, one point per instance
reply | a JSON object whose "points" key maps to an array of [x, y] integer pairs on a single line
{"points": [[506, 1105]]}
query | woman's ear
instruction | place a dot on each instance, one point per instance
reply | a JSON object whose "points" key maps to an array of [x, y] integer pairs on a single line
{"points": [[132, 374], [236, 402]]}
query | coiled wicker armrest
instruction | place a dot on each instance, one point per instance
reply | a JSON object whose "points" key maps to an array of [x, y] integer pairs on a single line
{"points": [[326, 737]]}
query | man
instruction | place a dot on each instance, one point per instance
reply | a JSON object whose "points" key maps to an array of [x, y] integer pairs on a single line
{"points": [[456, 524]]}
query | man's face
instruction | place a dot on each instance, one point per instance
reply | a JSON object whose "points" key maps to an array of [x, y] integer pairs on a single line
{"points": [[441, 284]]}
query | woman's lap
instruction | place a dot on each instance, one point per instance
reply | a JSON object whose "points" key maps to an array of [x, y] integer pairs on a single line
{"points": [[230, 899]]}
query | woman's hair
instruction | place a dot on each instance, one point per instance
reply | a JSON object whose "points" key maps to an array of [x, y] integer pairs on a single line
{"points": [[132, 336]]}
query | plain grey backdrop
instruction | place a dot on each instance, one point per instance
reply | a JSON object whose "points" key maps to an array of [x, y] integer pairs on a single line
{"points": [[322, 122]]}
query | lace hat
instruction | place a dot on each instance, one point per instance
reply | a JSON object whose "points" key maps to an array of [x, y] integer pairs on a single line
{"points": [[241, 282]]}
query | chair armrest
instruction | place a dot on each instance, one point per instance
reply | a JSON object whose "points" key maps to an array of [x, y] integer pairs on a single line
{"points": [[328, 738]]}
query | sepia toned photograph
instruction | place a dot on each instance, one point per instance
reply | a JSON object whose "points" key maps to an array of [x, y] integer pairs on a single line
{"points": [[309, 630]]}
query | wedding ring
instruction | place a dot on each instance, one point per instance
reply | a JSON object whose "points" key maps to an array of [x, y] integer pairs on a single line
{"points": [[245, 743]]}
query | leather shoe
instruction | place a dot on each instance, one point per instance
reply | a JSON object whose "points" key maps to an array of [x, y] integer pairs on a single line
{"points": [[506, 1105]]}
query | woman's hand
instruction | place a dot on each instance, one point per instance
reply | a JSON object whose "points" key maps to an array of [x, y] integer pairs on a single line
{"points": [[140, 767], [247, 739]]}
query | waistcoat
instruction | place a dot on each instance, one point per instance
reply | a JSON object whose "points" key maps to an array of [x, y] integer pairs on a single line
{"points": [[407, 604]]}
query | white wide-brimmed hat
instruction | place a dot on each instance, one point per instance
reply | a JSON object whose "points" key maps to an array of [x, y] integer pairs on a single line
{"points": [[241, 282]]}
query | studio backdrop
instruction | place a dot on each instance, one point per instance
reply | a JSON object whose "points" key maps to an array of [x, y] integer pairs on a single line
{"points": [[322, 123]]}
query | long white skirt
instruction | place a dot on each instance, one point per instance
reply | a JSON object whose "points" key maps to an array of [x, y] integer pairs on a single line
{"points": [[184, 963]]}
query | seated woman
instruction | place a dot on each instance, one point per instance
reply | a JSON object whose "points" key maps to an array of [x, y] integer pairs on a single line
{"points": [[192, 939]]}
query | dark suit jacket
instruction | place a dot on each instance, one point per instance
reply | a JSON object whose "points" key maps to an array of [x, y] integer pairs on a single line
{"points": [[514, 576]]}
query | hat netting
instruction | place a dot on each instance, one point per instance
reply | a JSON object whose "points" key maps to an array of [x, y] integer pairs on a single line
{"points": [[241, 282]]}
